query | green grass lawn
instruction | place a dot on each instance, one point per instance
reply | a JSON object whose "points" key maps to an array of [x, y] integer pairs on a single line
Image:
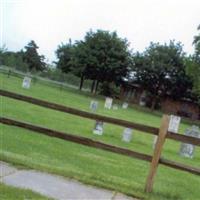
{"points": [[87, 164], [10, 193]]}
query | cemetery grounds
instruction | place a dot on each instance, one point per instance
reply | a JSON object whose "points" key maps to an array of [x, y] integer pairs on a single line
{"points": [[10, 193], [89, 165]]}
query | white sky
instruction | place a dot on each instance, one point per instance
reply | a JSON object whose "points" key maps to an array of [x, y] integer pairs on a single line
{"points": [[50, 22]]}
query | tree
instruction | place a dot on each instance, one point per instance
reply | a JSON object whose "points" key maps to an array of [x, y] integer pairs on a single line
{"points": [[196, 42], [65, 54], [12, 59], [3, 49], [193, 65], [32, 58], [161, 71], [81, 66], [102, 57], [193, 70]]}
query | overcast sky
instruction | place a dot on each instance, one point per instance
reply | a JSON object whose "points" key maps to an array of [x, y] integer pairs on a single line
{"points": [[50, 22]]}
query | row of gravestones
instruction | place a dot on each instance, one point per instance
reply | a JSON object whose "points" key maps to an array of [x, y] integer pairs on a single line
{"points": [[98, 128], [186, 150], [108, 105], [126, 136], [93, 105]]}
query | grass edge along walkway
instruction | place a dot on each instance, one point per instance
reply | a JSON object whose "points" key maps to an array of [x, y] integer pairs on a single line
{"points": [[16, 150], [54, 186]]}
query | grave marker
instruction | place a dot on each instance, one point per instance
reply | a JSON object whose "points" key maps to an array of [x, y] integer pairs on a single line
{"points": [[154, 141], [108, 103], [26, 82], [142, 101], [115, 107], [174, 123], [125, 105], [93, 105], [187, 150], [127, 135], [98, 128]]}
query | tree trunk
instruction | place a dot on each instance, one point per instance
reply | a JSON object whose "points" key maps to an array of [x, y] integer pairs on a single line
{"points": [[93, 85], [9, 73], [96, 87], [81, 83], [153, 104]]}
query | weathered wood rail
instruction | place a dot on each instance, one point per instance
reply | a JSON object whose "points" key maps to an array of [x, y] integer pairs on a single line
{"points": [[96, 144], [155, 159], [120, 122]]}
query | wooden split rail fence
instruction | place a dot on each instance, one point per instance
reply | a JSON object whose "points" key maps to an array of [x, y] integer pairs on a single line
{"points": [[161, 132]]}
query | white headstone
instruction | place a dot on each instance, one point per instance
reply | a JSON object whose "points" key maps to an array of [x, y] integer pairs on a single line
{"points": [[26, 82], [94, 105], [154, 141], [98, 128], [125, 105], [187, 150], [115, 107], [108, 103], [127, 135], [174, 123], [142, 103], [143, 99]]}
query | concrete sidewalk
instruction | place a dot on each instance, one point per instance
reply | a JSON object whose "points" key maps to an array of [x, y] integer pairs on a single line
{"points": [[54, 186]]}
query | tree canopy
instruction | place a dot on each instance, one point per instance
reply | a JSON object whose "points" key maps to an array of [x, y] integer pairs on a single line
{"points": [[105, 58], [109, 55], [161, 71], [12, 59], [193, 65], [196, 42], [102, 57], [32, 58], [65, 54]]}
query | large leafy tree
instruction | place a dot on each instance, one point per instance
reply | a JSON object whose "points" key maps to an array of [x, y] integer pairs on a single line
{"points": [[12, 59], [161, 71], [66, 57], [32, 58], [3, 49], [196, 42], [102, 57], [193, 65]]}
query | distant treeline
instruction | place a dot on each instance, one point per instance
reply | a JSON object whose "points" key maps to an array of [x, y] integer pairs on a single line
{"points": [[107, 61]]}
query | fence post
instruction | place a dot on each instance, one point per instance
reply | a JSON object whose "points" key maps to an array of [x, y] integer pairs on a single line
{"points": [[157, 152]]}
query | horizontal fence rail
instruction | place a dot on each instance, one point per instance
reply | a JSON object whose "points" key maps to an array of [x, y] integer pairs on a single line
{"points": [[77, 112], [120, 122], [96, 144]]}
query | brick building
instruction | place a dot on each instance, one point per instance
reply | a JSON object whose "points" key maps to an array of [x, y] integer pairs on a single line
{"points": [[133, 93], [185, 108]]}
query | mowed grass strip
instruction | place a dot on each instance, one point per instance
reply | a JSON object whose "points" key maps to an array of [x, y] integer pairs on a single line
{"points": [[87, 164], [93, 166], [10, 193]]}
